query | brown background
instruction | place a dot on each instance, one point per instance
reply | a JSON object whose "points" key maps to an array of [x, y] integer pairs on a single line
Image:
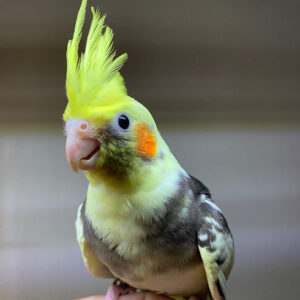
{"points": [[222, 80], [208, 59]]}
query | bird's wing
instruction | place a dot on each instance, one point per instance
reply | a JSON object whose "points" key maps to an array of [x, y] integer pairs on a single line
{"points": [[216, 246], [92, 263]]}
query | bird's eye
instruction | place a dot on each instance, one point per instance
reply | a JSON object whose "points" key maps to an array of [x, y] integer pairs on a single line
{"points": [[123, 122]]}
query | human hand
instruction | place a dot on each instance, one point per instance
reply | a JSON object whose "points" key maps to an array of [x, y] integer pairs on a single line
{"points": [[136, 296], [133, 296]]}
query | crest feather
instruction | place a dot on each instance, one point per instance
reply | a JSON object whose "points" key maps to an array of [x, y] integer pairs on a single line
{"points": [[96, 71]]}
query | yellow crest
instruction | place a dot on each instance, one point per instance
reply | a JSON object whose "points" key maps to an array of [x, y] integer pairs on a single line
{"points": [[93, 78]]}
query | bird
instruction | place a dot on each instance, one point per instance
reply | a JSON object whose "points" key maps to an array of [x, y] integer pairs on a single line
{"points": [[145, 222]]}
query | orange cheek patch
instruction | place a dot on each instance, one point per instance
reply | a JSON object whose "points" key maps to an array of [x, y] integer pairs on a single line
{"points": [[146, 142]]}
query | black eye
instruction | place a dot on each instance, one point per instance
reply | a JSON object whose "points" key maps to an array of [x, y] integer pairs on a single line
{"points": [[123, 121]]}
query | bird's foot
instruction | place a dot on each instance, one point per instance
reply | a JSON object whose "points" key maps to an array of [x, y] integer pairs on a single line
{"points": [[117, 289]]}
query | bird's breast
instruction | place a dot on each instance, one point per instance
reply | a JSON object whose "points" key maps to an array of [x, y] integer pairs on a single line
{"points": [[158, 262]]}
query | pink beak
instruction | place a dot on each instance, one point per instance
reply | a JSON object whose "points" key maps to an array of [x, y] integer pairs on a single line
{"points": [[82, 149]]}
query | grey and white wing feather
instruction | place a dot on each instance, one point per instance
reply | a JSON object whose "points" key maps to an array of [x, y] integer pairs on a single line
{"points": [[216, 247]]}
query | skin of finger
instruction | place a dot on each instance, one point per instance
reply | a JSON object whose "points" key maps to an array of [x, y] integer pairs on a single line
{"points": [[144, 296], [136, 296], [150, 296], [96, 297]]}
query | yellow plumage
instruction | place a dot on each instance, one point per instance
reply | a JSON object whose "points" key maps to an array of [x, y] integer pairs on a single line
{"points": [[93, 78]]}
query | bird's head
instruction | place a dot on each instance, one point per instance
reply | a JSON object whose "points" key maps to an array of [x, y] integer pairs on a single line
{"points": [[109, 135]]}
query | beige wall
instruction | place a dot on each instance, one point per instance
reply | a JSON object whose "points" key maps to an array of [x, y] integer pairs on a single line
{"points": [[252, 173]]}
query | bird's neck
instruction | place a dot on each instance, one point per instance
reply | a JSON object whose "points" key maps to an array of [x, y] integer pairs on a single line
{"points": [[158, 183], [116, 214]]}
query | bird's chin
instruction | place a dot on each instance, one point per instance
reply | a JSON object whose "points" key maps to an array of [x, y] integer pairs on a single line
{"points": [[89, 162]]}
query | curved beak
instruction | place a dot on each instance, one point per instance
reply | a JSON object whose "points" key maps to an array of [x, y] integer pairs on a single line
{"points": [[82, 149]]}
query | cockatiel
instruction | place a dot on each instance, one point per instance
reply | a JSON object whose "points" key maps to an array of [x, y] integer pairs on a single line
{"points": [[145, 221]]}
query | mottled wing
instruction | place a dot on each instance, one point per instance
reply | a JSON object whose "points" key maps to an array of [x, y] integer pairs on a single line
{"points": [[92, 263], [216, 247]]}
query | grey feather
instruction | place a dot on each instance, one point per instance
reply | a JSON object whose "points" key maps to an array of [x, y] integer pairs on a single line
{"points": [[172, 237]]}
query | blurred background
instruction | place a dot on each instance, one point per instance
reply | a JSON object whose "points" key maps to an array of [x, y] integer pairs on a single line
{"points": [[222, 81]]}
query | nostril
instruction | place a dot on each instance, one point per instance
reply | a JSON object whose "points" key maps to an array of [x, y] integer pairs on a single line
{"points": [[83, 126]]}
